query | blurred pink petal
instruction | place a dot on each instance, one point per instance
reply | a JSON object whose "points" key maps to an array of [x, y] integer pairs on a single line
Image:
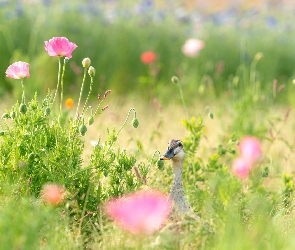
{"points": [[18, 70], [250, 149], [141, 212], [59, 46], [192, 47], [241, 168]]}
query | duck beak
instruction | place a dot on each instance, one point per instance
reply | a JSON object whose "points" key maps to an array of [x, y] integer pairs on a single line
{"points": [[168, 155]]}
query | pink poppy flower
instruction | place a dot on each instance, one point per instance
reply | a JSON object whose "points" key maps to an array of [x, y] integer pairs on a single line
{"points": [[241, 168], [52, 194], [192, 47], [148, 57], [18, 70], [143, 212], [59, 46], [250, 149]]}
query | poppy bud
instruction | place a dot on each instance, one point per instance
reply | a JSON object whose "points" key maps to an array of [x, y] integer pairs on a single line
{"points": [[83, 129], [174, 79], [91, 71], [160, 164], [90, 120], [5, 116], [135, 122], [86, 62], [47, 111], [23, 108]]}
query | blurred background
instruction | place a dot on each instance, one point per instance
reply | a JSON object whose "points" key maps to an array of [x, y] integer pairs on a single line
{"points": [[114, 34]]}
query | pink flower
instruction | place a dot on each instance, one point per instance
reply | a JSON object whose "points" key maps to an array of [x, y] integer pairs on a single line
{"points": [[192, 47], [52, 194], [59, 46], [250, 149], [148, 57], [141, 212], [18, 70], [241, 168]]}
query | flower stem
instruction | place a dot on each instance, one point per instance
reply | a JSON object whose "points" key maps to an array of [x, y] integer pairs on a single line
{"points": [[82, 86], [90, 90], [157, 151], [58, 79], [23, 87], [132, 109], [182, 99], [62, 86]]}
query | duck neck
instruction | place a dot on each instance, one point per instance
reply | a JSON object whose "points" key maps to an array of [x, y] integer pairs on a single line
{"points": [[177, 171]]}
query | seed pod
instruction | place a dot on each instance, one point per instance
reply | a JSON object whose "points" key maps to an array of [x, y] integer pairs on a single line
{"points": [[2, 133], [83, 129], [211, 115], [135, 122], [23, 108], [160, 164], [90, 120], [47, 111], [105, 173]]}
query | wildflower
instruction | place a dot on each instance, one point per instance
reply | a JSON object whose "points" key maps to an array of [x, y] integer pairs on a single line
{"points": [[241, 168], [69, 103], [60, 46], [250, 149], [18, 70], [143, 212], [52, 194], [148, 57], [192, 47]]}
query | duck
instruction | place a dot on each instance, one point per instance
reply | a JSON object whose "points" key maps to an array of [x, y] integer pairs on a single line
{"points": [[176, 154]]}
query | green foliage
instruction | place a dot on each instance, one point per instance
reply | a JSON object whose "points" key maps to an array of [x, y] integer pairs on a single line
{"points": [[126, 38]]}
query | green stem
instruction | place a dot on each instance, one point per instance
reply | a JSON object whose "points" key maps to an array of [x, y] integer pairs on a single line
{"points": [[62, 86], [96, 110], [90, 90], [23, 87], [157, 151], [132, 109], [58, 79], [84, 209], [182, 99], [82, 86]]}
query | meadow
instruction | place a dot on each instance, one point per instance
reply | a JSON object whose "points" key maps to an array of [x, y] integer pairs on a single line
{"points": [[92, 93]]}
